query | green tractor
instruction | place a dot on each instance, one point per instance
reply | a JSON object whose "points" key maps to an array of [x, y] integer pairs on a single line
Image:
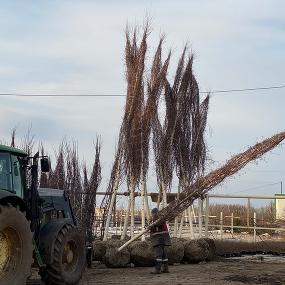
{"points": [[37, 226]]}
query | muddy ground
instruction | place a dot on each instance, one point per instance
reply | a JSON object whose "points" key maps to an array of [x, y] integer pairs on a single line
{"points": [[243, 270]]}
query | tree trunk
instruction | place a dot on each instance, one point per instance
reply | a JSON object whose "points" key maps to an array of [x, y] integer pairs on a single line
{"points": [[175, 227], [126, 220], [147, 211], [164, 195], [143, 208], [111, 206], [159, 197], [132, 201], [176, 218], [181, 224], [192, 236]]}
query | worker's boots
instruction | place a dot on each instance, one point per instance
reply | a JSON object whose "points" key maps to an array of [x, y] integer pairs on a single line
{"points": [[157, 268], [165, 267]]}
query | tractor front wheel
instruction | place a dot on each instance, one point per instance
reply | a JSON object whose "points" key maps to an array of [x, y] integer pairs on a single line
{"points": [[68, 258], [16, 247]]}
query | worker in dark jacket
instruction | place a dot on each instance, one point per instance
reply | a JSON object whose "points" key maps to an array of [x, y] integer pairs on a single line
{"points": [[160, 238]]}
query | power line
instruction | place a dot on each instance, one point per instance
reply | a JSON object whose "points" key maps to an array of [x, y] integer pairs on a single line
{"points": [[245, 89], [257, 187], [122, 95]]}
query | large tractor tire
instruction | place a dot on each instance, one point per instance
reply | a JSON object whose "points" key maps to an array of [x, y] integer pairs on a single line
{"points": [[16, 246], [68, 258]]}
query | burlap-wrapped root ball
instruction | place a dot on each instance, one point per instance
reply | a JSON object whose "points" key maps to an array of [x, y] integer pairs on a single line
{"points": [[100, 247], [196, 251], [175, 252], [99, 250], [270, 246], [212, 249], [142, 253], [234, 247], [116, 259], [119, 237], [115, 242]]}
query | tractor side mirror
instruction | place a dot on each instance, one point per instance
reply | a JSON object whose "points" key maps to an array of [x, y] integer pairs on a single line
{"points": [[45, 164]]}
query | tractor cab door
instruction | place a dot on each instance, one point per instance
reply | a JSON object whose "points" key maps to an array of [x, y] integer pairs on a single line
{"points": [[10, 174], [5, 172], [17, 176]]}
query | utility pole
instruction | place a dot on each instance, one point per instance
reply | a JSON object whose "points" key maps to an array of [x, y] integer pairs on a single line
{"points": [[281, 187]]}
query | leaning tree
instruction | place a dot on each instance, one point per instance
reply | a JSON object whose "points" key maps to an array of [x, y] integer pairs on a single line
{"points": [[204, 184]]}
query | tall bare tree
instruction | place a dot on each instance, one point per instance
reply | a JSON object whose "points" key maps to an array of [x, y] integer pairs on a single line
{"points": [[74, 180], [109, 200], [163, 134], [57, 176], [189, 142], [155, 85], [90, 187]]}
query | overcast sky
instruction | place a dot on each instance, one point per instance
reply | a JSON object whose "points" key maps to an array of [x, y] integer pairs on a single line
{"points": [[78, 47]]}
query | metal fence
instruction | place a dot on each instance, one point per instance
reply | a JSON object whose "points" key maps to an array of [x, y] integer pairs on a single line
{"points": [[196, 223]]}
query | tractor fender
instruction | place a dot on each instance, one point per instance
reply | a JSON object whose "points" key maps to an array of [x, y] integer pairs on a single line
{"points": [[47, 238], [10, 198]]}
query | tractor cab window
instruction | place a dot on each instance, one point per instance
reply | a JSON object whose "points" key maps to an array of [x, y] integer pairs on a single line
{"points": [[52, 215], [17, 178], [5, 172]]}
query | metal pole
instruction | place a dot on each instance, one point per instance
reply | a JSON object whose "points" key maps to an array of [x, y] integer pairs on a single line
{"points": [[210, 195], [126, 220], [112, 202], [109, 215], [281, 187], [132, 209], [116, 224], [143, 207], [181, 225], [194, 215], [248, 212], [192, 235], [121, 221], [221, 225], [146, 204], [232, 224], [176, 218], [254, 227], [200, 206], [207, 217]]}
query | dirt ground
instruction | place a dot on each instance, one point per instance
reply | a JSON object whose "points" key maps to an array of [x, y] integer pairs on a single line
{"points": [[256, 269]]}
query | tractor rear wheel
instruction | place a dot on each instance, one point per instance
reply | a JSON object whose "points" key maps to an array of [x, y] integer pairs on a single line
{"points": [[16, 246], [68, 258]]}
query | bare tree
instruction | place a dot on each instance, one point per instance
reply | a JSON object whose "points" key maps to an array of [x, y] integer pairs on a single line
{"points": [[163, 135], [90, 187], [204, 184], [189, 143], [57, 176]]}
